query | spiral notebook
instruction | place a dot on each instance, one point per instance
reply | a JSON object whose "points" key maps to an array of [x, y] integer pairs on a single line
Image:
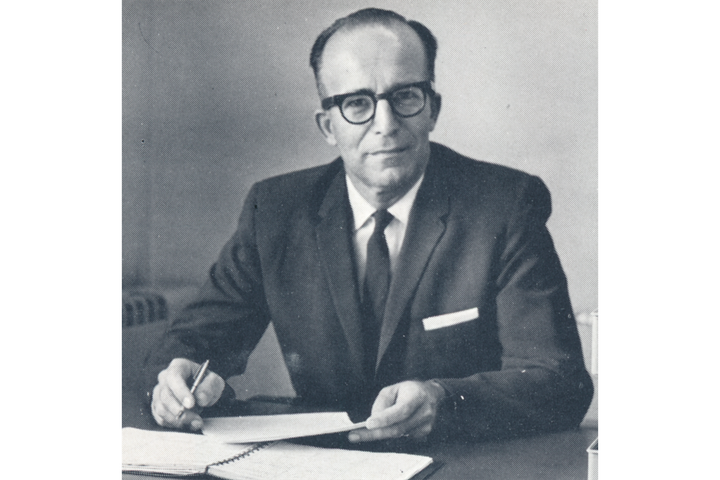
{"points": [[176, 453]]}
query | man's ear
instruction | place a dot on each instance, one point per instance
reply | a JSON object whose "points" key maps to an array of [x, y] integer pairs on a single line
{"points": [[324, 123], [435, 104]]}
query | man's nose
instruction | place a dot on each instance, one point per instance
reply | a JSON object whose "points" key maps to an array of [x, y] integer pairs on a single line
{"points": [[385, 121]]}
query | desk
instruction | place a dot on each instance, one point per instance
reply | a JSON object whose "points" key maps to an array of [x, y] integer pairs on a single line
{"points": [[555, 456]]}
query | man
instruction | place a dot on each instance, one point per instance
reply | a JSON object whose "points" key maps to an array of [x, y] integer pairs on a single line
{"points": [[402, 279]]}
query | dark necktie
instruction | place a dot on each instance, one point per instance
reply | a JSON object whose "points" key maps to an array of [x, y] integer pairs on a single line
{"points": [[377, 283]]}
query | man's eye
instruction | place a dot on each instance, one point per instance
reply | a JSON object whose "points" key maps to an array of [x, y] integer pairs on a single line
{"points": [[407, 95], [357, 103]]}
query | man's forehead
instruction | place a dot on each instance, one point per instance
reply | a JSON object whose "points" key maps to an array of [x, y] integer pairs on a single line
{"points": [[372, 56]]}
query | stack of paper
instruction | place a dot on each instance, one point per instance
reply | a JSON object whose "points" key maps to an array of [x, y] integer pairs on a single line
{"points": [[265, 428], [174, 453]]}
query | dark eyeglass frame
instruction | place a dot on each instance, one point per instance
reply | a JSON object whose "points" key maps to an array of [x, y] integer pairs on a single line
{"points": [[337, 100]]}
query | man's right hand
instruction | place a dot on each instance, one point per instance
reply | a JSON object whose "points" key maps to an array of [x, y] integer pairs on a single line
{"points": [[172, 401]]}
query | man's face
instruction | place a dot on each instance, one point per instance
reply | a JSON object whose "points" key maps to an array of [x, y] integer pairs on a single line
{"points": [[388, 154]]}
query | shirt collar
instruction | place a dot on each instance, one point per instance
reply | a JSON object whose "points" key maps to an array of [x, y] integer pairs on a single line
{"points": [[362, 210]]}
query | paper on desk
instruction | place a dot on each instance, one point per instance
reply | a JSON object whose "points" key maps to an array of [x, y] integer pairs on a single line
{"points": [[174, 453], [266, 428]]}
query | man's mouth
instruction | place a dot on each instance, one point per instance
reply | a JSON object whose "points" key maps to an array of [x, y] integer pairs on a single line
{"points": [[389, 151]]}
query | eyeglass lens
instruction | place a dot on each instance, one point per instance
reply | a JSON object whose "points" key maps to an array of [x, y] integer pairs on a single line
{"points": [[405, 102]]}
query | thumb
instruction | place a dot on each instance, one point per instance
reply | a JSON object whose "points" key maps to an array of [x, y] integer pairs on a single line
{"points": [[385, 399], [210, 389]]}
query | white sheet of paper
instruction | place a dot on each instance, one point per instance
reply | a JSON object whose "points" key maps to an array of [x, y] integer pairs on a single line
{"points": [[287, 461], [173, 452], [266, 428]]}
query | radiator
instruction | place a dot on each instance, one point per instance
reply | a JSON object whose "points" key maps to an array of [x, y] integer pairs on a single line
{"points": [[139, 307]]}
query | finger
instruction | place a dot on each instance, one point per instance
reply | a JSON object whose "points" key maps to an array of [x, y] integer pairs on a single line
{"points": [[407, 402], [365, 435], [421, 431], [167, 417], [176, 376], [393, 431], [209, 390], [167, 407], [154, 407], [396, 430], [192, 420], [418, 426], [385, 399], [160, 412], [188, 418], [424, 419], [169, 401]]}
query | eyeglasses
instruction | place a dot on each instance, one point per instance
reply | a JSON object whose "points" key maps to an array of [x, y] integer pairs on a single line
{"points": [[359, 107]]}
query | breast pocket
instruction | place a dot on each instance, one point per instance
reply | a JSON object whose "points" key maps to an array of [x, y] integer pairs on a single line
{"points": [[452, 343], [450, 319]]}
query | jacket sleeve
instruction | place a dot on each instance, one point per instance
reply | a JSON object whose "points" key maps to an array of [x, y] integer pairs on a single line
{"points": [[228, 317], [542, 384]]}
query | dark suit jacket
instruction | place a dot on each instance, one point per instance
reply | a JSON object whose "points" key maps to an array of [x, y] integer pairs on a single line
{"points": [[476, 238]]}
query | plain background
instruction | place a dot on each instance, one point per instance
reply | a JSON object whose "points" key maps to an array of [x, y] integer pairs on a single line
{"points": [[219, 94]]}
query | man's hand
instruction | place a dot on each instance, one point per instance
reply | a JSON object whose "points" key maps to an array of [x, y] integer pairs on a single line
{"points": [[172, 401], [406, 409]]}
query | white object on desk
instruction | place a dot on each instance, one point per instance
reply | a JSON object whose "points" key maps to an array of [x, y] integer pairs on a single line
{"points": [[266, 428], [593, 460], [177, 453]]}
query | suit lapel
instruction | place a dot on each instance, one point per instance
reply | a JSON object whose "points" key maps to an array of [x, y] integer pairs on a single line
{"points": [[335, 251], [425, 228]]}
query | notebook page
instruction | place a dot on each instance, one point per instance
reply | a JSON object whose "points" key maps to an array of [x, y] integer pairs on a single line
{"points": [[300, 462], [173, 452], [265, 428]]}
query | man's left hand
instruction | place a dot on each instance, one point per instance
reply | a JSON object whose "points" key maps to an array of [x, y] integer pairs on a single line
{"points": [[406, 409]]}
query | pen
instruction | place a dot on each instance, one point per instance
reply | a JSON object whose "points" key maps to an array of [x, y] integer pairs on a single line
{"points": [[196, 381]]}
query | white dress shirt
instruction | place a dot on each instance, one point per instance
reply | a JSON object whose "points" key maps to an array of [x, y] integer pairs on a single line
{"points": [[365, 224]]}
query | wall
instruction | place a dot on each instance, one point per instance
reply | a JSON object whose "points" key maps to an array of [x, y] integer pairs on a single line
{"points": [[218, 94]]}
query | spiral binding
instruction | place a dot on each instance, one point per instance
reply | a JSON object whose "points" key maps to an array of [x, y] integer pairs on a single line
{"points": [[257, 447]]}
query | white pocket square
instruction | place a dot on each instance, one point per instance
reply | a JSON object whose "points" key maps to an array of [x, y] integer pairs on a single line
{"points": [[449, 319]]}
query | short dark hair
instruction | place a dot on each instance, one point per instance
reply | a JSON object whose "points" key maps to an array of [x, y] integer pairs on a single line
{"points": [[374, 16]]}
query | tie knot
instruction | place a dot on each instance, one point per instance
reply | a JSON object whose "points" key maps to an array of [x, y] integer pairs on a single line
{"points": [[382, 219]]}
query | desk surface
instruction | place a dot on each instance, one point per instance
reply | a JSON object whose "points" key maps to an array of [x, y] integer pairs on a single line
{"points": [[555, 456]]}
